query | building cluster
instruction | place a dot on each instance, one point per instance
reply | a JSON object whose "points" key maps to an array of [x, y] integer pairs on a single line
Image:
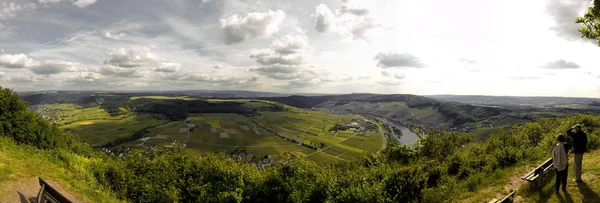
{"points": [[117, 153]]}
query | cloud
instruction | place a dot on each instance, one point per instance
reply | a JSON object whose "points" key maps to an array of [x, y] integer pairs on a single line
{"points": [[219, 80], [11, 9], [325, 20], [390, 83], [114, 36], [347, 6], [564, 13], [49, 1], [84, 3], [285, 59], [467, 61], [561, 64], [47, 67], [23, 78], [301, 83], [237, 28], [168, 67], [117, 71], [396, 60], [525, 77], [363, 78], [399, 76], [2, 74], [16, 61], [131, 57], [385, 73], [350, 20], [52, 67], [347, 79], [219, 66]]}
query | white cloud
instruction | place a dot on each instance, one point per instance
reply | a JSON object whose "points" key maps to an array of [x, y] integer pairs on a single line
{"points": [[385, 73], [2, 74], [363, 78], [23, 78], [352, 7], [11, 9], [237, 28], [219, 80], [350, 20], [16, 61], [285, 59], [561, 64], [399, 76], [219, 66], [168, 67], [45, 67], [396, 60], [114, 36], [390, 83], [49, 1], [117, 71], [131, 57], [325, 20], [84, 3]]}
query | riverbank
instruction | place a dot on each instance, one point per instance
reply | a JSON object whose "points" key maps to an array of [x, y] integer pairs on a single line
{"points": [[406, 136]]}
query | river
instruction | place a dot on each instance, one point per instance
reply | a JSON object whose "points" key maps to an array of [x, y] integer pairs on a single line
{"points": [[408, 137]]}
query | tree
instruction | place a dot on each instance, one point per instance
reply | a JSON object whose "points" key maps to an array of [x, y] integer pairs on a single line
{"points": [[591, 22]]}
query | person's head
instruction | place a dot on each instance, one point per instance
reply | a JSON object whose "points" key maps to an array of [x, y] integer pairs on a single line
{"points": [[578, 128], [561, 138]]}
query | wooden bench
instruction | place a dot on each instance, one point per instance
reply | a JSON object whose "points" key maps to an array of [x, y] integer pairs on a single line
{"points": [[49, 194], [508, 199], [536, 176]]}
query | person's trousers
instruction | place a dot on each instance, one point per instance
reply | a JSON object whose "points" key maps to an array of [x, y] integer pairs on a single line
{"points": [[561, 177], [578, 158]]}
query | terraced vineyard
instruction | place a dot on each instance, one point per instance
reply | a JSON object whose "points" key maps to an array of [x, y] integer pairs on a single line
{"points": [[269, 132]]}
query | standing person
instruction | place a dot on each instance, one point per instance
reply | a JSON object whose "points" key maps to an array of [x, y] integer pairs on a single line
{"points": [[579, 141], [561, 162]]}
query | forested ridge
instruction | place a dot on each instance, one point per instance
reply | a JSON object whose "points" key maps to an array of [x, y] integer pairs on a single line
{"points": [[443, 165]]}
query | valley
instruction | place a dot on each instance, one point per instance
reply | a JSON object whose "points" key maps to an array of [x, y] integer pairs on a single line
{"points": [[254, 130]]}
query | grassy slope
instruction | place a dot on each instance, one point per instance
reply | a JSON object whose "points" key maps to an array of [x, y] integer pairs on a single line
{"points": [[589, 191], [509, 180], [24, 163]]}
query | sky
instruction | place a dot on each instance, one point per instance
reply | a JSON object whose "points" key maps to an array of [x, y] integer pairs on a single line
{"points": [[424, 47]]}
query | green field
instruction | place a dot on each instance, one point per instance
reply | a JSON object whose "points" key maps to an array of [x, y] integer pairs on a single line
{"points": [[95, 126], [268, 133]]}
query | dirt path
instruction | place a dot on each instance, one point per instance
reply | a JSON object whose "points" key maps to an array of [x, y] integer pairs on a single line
{"points": [[26, 190]]}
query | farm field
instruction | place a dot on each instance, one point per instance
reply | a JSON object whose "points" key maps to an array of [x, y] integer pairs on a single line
{"points": [[94, 125], [98, 132], [275, 129], [313, 127]]}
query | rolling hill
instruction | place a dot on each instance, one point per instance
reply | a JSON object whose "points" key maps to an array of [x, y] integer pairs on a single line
{"points": [[409, 109]]}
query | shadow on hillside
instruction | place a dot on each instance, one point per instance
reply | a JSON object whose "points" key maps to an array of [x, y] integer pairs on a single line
{"points": [[588, 193]]}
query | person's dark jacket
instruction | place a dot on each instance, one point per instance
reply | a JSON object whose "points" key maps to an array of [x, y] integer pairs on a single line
{"points": [[578, 140]]}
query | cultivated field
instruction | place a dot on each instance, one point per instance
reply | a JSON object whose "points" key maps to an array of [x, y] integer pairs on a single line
{"points": [[95, 126], [275, 129]]}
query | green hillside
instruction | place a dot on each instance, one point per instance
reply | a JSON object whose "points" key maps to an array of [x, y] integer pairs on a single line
{"points": [[443, 166]]}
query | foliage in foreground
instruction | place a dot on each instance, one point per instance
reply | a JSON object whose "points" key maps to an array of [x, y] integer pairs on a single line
{"points": [[591, 22], [442, 165]]}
